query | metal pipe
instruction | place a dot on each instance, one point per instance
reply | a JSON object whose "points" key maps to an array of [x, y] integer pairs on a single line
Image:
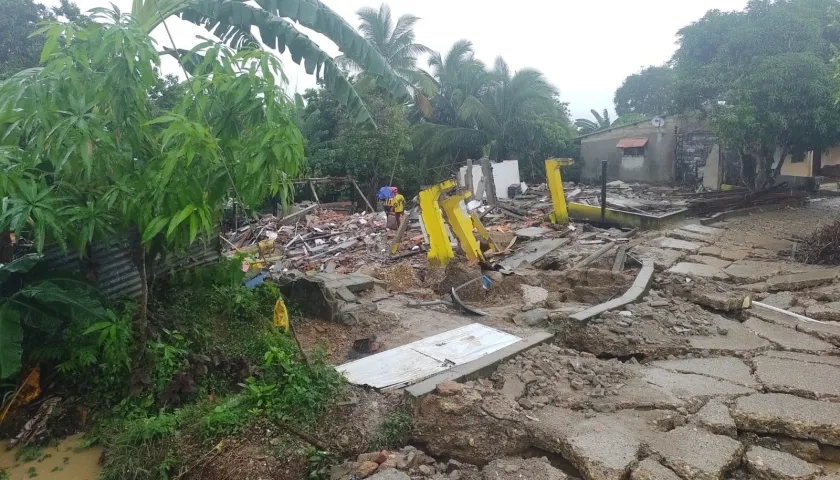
{"points": [[603, 190]]}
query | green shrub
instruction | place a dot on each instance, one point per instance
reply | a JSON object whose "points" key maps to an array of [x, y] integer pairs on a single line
{"points": [[393, 433], [229, 418], [291, 391]]}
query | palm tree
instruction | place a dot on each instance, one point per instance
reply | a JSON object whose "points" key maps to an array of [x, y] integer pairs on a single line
{"points": [[586, 126], [396, 43], [485, 107], [234, 20]]}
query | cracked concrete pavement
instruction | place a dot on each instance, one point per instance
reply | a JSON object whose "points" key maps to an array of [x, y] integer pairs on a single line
{"points": [[683, 384]]}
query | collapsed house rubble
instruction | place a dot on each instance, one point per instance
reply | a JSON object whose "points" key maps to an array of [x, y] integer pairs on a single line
{"points": [[695, 350]]}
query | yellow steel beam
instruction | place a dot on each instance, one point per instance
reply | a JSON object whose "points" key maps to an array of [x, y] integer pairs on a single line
{"points": [[482, 232], [440, 250], [555, 185], [461, 225]]}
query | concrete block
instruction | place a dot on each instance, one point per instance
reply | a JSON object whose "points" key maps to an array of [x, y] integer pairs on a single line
{"points": [[799, 281], [698, 269], [534, 251], [676, 244]]}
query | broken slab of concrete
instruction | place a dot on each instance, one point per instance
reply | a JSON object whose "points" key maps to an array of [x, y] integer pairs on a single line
{"points": [[828, 331], [702, 229], [824, 311], [781, 300], [329, 296], [766, 464], [690, 386], [601, 448], [675, 244], [800, 281], [650, 469], [785, 338], [662, 258], [738, 339], [533, 252], [531, 468], [709, 260], [730, 369], [709, 295], [690, 236], [714, 417], [726, 254], [635, 292], [749, 271], [696, 454], [805, 357], [782, 414], [781, 375], [695, 269]]}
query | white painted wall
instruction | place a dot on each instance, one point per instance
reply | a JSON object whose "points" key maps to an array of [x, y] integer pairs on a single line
{"points": [[504, 174]]}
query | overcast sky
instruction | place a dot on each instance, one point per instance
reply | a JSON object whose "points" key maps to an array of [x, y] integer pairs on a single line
{"points": [[585, 47]]}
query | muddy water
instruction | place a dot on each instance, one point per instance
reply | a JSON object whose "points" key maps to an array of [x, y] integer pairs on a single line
{"points": [[66, 461]]}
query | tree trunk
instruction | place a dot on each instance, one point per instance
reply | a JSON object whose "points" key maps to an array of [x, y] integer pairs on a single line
{"points": [[816, 167], [778, 170], [764, 173], [747, 169]]}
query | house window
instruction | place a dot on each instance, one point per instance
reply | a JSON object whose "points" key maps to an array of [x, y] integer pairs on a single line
{"points": [[634, 152], [632, 147], [797, 158]]}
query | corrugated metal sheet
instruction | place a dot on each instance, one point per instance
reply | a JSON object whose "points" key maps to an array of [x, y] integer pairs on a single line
{"points": [[408, 364], [113, 268], [632, 142]]}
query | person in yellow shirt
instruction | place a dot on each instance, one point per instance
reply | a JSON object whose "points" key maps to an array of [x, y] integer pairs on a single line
{"points": [[397, 204]]}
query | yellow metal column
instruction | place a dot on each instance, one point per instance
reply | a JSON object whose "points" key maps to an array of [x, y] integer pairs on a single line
{"points": [[440, 250], [461, 226], [555, 185]]}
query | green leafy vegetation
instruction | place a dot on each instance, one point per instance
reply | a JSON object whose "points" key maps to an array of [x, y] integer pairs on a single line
{"points": [[394, 431], [647, 93], [39, 308], [217, 367]]}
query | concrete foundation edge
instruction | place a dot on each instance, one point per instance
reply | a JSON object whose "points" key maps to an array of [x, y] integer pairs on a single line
{"points": [[636, 291], [480, 367]]}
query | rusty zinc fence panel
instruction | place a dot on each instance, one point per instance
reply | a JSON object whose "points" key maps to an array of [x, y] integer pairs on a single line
{"points": [[111, 266]]}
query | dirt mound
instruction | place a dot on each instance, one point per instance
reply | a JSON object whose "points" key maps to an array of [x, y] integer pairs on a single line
{"points": [[478, 425], [401, 277], [503, 289]]}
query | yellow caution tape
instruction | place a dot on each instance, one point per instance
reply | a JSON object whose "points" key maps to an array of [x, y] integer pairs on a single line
{"points": [[281, 315]]}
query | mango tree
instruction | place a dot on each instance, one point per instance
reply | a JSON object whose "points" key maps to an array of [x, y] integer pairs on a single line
{"points": [[85, 159]]}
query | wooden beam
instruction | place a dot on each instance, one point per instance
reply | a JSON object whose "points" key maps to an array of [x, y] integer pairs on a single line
{"points": [[363, 195], [314, 193]]}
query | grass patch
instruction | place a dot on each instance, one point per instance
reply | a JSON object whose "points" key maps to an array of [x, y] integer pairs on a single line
{"points": [[393, 433], [251, 373]]}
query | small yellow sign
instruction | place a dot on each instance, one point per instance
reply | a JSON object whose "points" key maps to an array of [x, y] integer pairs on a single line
{"points": [[281, 315]]}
